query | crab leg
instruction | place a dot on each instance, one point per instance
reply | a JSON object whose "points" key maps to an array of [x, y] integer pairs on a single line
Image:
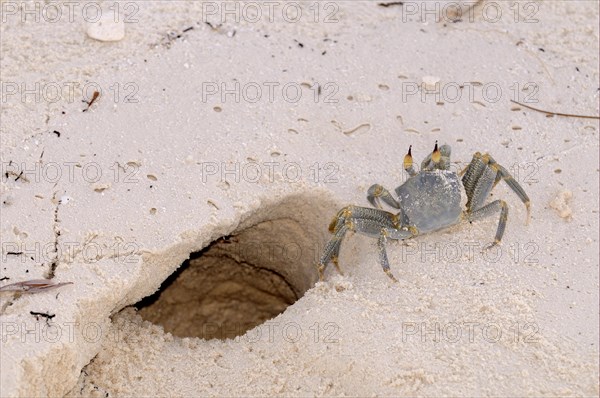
{"points": [[488, 210], [366, 221], [515, 186], [481, 175], [383, 258], [331, 251]]}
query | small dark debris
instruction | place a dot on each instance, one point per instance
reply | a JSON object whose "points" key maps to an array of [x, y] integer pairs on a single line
{"points": [[213, 27], [324, 52], [14, 253], [19, 176], [64, 113], [94, 98], [299, 44], [42, 314], [4, 278], [56, 132], [394, 3], [577, 69], [266, 36], [188, 29], [542, 50]]}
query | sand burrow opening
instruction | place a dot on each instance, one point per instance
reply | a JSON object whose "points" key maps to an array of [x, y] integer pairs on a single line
{"points": [[244, 279]]}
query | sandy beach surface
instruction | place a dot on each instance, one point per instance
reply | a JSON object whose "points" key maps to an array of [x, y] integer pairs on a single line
{"points": [[187, 203]]}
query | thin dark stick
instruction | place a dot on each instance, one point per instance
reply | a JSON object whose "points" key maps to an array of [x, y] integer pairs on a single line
{"points": [[556, 113]]}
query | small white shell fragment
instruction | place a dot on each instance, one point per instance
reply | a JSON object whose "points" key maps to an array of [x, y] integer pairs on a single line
{"points": [[561, 204], [430, 82], [106, 29], [65, 199]]}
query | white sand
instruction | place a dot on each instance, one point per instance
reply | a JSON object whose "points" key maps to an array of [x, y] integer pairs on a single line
{"points": [[519, 321]]}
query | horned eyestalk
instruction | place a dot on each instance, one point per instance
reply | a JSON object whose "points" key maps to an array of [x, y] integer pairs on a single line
{"points": [[436, 155], [408, 161]]}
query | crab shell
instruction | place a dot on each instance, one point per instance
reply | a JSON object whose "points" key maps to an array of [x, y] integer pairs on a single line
{"points": [[431, 199]]}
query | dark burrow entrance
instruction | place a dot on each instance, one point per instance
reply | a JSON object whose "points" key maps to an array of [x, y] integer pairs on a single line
{"points": [[244, 279]]}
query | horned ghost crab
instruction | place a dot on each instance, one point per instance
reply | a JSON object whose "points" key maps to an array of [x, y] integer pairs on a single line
{"points": [[429, 200]]}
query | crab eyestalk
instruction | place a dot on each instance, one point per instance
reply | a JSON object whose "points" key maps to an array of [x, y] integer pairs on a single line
{"points": [[438, 159], [436, 155], [408, 163]]}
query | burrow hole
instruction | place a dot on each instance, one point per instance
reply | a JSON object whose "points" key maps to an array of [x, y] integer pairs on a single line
{"points": [[245, 278]]}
